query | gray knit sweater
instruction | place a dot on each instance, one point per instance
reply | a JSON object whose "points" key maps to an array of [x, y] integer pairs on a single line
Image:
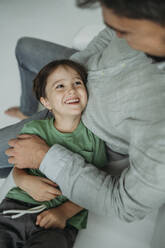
{"points": [[126, 108]]}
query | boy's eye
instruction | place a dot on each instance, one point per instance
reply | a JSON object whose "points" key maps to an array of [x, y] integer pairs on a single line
{"points": [[59, 86], [78, 82]]}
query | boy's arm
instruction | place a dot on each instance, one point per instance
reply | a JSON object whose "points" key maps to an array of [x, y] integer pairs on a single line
{"points": [[70, 209], [40, 189], [8, 184], [57, 217]]}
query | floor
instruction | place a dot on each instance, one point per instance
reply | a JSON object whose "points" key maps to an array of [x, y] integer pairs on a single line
{"points": [[59, 21]]}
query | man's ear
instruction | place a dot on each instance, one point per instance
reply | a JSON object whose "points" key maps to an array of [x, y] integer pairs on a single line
{"points": [[45, 102]]}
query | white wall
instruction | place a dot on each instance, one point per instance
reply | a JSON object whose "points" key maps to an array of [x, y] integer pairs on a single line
{"points": [[54, 20]]}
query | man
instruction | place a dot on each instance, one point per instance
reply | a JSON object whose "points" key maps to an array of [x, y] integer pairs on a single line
{"points": [[140, 23], [140, 134]]}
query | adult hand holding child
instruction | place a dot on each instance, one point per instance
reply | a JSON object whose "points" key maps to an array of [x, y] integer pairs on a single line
{"points": [[27, 151]]}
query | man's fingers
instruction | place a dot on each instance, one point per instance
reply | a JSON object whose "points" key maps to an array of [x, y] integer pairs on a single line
{"points": [[11, 160], [25, 136], [9, 152], [12, 142]]}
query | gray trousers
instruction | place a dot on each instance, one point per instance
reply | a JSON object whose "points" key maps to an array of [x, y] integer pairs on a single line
{"points": [[23, 233], [32, 54]]}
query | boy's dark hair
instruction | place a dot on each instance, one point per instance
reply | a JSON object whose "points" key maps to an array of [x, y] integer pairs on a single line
{"points": [[153, 10], [40, 80]]}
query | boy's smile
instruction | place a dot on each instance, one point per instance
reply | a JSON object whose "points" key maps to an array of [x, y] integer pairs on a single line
{"points": [[66, 94], [72, 101]]}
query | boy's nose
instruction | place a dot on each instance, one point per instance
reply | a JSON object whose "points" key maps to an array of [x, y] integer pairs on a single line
{"points": [[71, 89]]}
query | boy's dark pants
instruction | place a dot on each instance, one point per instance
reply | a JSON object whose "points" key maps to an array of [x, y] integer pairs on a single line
{"points": [[23, 233]]}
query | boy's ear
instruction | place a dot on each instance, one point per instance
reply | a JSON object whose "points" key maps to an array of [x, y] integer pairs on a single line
{"points": [[45, 102]]}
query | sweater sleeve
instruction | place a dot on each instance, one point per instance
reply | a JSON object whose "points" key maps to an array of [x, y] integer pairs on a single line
{"points": [[130, 196]]}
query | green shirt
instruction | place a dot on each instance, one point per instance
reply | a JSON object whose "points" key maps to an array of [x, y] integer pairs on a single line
{"points": [[81, 141]]}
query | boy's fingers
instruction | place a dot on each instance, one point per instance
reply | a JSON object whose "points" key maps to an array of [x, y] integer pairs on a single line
{"points": [[50, 196], [44, 221], [38, 219], [47, 225], [51, 187], [55, 192], [49, 182]]}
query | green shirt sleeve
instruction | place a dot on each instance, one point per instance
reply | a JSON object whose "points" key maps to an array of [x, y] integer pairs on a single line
{"points": [[100, 158], [31, 127]]}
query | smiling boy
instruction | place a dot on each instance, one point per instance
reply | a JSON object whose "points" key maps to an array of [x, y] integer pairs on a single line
{"points": [[60, 86]]}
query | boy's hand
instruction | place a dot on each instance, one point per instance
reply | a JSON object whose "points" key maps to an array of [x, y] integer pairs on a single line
{"points": [[41, 189], [57, 217], [27, 151], [52, 218]]}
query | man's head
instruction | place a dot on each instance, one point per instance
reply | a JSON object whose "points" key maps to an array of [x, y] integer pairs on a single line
{"points": [[60, 87], [140, 22]]}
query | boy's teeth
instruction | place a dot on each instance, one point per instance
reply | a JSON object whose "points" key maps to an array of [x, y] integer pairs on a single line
{"points": [[73, 100]]}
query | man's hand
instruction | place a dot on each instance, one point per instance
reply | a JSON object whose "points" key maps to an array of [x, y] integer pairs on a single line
{"points": [[27, 151], [39, 188], [52, 218]]}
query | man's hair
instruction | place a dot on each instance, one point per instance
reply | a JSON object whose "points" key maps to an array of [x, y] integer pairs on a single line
{"points": [[153, 10], [40, 80]]}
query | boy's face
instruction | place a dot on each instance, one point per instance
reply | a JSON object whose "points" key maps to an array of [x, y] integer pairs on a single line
{"points": [[66, 93], [143, 35]]}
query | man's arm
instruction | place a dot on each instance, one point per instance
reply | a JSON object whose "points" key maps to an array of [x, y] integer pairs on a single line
{"points": [[130, 196]]}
